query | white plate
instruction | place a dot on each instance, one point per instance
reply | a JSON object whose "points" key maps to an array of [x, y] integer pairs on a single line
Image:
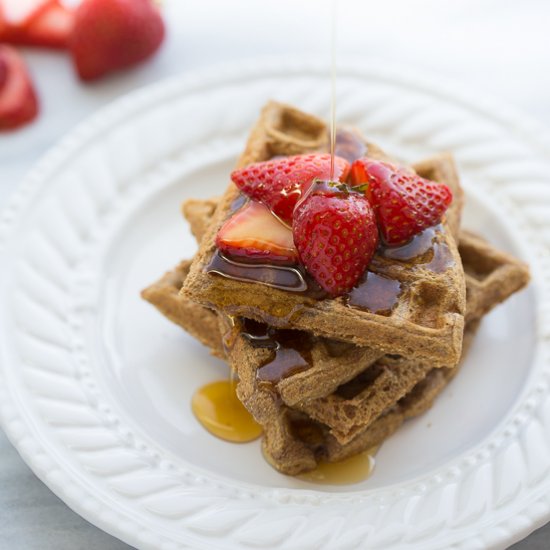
{"points": [[95, 385]]}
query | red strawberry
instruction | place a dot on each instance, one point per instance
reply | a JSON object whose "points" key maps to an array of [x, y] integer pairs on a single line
{"points": [[254, 233], [336, 236], [279, 183], [3, 72], [37, 23], [405, 204], [18, 102], [114, 34], [51, 27]]}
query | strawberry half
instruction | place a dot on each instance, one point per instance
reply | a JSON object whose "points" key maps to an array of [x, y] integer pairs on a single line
{"points": [[254, 233], [110, 35], [279, 183], [18, 101], [37, 23], [336, 236], [405, 203]]}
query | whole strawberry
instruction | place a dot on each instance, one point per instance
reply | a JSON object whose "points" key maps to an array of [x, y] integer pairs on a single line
{"points": [[279, 183], [405, 204], [336, 236], [110, 35]]}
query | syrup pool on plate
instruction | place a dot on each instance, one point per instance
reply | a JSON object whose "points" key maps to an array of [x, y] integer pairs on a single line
{"points": [[354, 469], [217, 407]]}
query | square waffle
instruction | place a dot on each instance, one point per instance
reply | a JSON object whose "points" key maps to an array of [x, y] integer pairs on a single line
{"points": [[426, 320], [295, 438]]}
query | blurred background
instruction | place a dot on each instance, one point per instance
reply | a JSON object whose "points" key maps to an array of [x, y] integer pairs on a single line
{"points": [[497, 48]]}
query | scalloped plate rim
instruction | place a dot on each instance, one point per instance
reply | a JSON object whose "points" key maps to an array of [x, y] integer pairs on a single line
{"points": [[143, 97]]}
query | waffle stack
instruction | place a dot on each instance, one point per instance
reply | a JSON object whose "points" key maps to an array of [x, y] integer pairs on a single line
{"points": [[325, 377]]}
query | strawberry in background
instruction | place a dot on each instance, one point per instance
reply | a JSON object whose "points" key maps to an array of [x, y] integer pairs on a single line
{"points": [[102, 36], [42, 23], [18, 101], [110, 35]]}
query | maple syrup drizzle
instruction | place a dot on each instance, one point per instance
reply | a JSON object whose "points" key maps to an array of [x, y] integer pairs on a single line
{"points": [[287, 361], [375, 293], [442, 259], [230, 335], [354, 469], [332, 88], [290, 351], [282, 277], [240, 200], [217, 407], [416, 249], [424, 249]]}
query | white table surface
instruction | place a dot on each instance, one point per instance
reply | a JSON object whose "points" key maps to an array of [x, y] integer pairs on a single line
{"points": [[498, 47]]}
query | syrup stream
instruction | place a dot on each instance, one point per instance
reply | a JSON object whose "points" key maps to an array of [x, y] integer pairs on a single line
{"points": [[217, 406], [332, 87]]}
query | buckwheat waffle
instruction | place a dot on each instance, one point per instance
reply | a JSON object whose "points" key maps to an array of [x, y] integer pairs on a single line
{"points": [[491, 277], [428, 321], [294, 442], [200, 322], [363, 412]]}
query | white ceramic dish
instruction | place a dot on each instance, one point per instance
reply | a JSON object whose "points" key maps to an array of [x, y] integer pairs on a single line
{"points": [[95, 385]]}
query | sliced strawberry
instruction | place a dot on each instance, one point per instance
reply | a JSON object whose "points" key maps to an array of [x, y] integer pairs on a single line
{"points": [[110, 35], [18, 102], [357, 173], [279, 183], [41, 23], [336, 236], [51, 28], [405, 203], [4, 28], [254, 233]]}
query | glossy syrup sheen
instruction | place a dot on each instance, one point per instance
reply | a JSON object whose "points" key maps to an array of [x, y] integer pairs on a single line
{"points": [[416, 249], [424, 249], [290, 351], [291, 278], [287, 361], [375, 293], [442, 259], [217, 407]]}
